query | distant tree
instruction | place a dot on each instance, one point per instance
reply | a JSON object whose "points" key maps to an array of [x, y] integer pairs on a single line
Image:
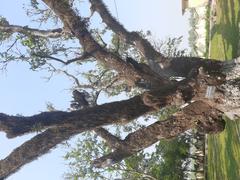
{"points": [[206, 85], [193, 36]]}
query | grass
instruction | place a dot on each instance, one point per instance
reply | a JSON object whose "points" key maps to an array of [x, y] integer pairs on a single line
{"points": [[224, 153], [224, 148], [225, 34]]}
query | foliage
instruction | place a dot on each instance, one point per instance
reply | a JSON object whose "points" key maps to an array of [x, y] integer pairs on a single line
{"points": [[87, 147], [4, 35], [164, 161], [40, 13]]}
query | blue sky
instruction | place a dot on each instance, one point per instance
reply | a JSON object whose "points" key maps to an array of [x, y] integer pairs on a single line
{"points": [[25, 92]]}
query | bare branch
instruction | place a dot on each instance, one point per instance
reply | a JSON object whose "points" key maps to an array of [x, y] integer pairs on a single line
{"points": [[75, 79], [69, 123], [80, 58], [12, 45], [53, 33]]}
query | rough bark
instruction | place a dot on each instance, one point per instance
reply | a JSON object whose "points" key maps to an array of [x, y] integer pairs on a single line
{"points": [[79, 29], [87, 118], [62, 125], [154, 57], [181, 66], [34, 148], [70, 123], [109, 113], [232, 86], [94, 116], [198, 115], [112, 141]]}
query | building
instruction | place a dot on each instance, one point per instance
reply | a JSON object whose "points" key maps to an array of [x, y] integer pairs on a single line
{"points": [[186, 4]]}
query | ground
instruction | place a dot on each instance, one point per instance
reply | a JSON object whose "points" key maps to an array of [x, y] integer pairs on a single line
{"points": [[224, 149]]}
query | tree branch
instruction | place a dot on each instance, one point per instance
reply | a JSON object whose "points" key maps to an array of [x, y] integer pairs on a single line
{"points": [[89, 118], [147, 50], [173, 94], [34, 148], [112, 141], [80, 58], [78, 28], [53, 33], [93, 117], [183, 65], [205, 118], [75, 79], [65, 124], [199, 114]]}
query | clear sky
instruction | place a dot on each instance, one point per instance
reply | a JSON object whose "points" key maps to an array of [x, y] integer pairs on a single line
{"points": [[25, 92]]}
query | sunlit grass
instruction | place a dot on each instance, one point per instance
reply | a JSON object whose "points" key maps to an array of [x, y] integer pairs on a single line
{"points": [[225, 33], [224, 148], [224, 153]]}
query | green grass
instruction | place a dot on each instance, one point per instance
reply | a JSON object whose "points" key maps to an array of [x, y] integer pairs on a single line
{"points": [[224, 148], [225, 34], [224, 153]]}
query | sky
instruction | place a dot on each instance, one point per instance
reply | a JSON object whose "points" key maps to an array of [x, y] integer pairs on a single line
{"points": [[26, 92]]}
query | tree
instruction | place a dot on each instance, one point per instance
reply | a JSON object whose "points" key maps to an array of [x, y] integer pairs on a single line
{"points": [[206, 86], [193, 34], [144, 165]]}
